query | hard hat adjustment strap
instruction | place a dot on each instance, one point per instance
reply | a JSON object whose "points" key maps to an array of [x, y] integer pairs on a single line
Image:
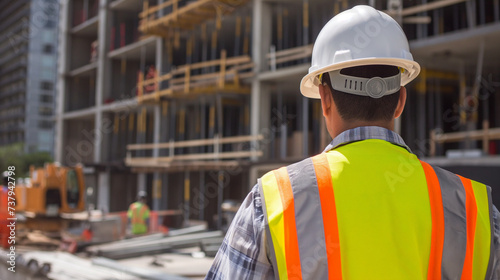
{"points": [[375, 87]]}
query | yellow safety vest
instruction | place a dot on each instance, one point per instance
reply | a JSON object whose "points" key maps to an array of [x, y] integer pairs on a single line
{"points": [[372, 210], [138, 213]]}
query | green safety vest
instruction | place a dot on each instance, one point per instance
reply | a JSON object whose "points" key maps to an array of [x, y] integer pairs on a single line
{"points": [[372, 210], [138, 213]]}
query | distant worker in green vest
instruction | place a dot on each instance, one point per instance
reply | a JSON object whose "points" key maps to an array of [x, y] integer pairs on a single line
{"points": [[366, 208], [138, 214]]}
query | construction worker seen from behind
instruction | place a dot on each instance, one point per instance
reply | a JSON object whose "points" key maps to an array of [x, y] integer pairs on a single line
{"points": [[367, 207], [138, 214]]}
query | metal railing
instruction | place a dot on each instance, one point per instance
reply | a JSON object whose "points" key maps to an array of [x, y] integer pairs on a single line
{"points": [[172, 157], [183, 81]]}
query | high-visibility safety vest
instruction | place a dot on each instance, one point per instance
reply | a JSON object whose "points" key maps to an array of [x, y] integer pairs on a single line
{"points": [[138, 213], [372, 210]]}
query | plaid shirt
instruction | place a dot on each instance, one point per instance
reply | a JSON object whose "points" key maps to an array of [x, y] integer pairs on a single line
{"points": [[243, 253]]}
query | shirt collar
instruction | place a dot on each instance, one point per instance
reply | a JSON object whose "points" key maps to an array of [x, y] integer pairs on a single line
{"points": [[364, 133]]}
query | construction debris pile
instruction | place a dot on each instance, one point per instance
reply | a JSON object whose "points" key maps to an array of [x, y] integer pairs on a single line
{"points": [[160, 243], [180, 253]]}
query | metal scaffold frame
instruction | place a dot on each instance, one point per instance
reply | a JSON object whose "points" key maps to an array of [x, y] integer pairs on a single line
{"points": [[201, 160], [186, 17], [182, 83]]}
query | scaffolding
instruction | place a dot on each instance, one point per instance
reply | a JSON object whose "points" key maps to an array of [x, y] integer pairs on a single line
{"points": [[205, 161], [182, 14], [186, 81]]}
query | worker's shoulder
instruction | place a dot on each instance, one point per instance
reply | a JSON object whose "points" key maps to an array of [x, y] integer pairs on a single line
{"points": [[443, 171], [297, 169]]}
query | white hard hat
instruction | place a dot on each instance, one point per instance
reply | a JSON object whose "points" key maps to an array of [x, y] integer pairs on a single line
{"points": [[356, 37], [142, 194]]}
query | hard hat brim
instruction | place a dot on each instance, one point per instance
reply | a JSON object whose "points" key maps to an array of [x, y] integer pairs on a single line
{"points": [[309, 84]]}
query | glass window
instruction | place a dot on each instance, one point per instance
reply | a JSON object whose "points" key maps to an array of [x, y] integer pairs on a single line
{"points": [[45, 98], [48, 61], [46, 85], [72, 189], [48, 36], [45, 111], [48, 49], [45, 125]]}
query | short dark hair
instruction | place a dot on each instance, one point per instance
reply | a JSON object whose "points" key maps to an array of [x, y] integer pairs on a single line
{"points": [[353, 107]]}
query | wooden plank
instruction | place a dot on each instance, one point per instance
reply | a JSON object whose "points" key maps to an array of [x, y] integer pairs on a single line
{"points": [[224, 155], [154, 9], [164, 20], [230, 61], [291, 58], [493, 134], [198, 142], [426, 7], [242, 67], [151, 161], [292, 51], [191, 165]]}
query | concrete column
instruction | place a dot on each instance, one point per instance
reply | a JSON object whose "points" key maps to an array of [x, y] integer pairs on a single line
{"points": [[156, 152], [187, 196], [220, 198], [202, 200], [156, 128], [61, 81], [103, 181], [261, 115], [141, 182], [103, 73], [305, 126], [261, 42], [157, 191], [164, 191]]}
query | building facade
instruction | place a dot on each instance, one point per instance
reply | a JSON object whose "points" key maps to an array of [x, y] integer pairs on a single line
{"points": [[192, 101], [28, 67]]}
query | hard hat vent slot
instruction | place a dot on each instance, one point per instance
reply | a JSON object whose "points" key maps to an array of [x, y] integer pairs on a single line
{"points": [[374, 87]]}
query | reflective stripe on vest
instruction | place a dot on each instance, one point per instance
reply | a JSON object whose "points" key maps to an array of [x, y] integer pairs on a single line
{"points": [[138, 211], [389, 216]]}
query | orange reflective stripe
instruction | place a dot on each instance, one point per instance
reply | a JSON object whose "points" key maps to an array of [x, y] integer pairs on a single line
{"points": [[330, 224], [291, 242], [471, 211], [141, 214], [138, 214], [437, 215], [134, 216]]}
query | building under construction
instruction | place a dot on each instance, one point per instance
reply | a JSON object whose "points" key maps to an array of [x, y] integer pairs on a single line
{"points": [[192, 101]]}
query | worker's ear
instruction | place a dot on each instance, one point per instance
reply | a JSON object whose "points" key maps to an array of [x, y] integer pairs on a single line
{"points": [[401, 103], [326, 98]]}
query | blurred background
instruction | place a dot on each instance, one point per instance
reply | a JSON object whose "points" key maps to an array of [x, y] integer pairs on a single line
{"points": [[191, 102]]}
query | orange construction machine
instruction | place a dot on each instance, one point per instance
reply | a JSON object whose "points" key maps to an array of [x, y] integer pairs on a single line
{"points": [[52, 190]]}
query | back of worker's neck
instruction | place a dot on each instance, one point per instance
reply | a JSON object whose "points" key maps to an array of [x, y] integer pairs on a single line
{"points": [[353, 124]]}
